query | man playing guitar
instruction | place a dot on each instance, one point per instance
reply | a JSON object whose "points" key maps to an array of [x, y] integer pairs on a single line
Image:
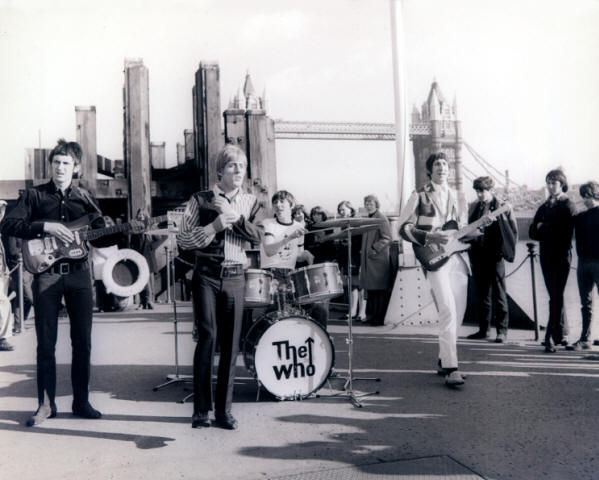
{"points": [[427, 210], [42, 211]]}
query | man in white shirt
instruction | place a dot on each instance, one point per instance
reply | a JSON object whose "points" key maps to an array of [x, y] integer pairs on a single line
{"points": [[427, 210]]}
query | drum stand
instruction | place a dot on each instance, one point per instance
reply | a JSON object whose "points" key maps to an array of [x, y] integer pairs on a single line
{"points": [[174, 378], [348, 390]]}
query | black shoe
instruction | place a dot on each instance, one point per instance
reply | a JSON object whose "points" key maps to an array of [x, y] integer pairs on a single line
{"points": [[501, 338], [5, 346], [16, 330], [42, 413], [85, 410], [225, 420], [578, 346], [478, 336], [549, 347], [200, 419]]}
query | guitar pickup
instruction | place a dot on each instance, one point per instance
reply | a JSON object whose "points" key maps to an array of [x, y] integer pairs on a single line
{"points": [[48, 246], [77, 237]]}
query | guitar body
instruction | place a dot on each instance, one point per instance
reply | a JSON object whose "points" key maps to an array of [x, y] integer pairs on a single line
{"points": [[433, 257], [39, 254]]}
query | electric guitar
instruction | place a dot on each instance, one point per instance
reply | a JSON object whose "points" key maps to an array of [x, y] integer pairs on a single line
{"points": [[39, 254], [433, 256]]}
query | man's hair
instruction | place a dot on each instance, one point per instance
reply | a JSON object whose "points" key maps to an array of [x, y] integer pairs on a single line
{"points": [[483, 183], [432, 158], [283, 195], [229, 153], [318, 210], [72, 149], [372, 198], [345, 203], [558, 175], [589, 190]]}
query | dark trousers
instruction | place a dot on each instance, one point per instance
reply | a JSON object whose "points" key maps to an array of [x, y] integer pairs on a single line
{"points": [[27, 296], [48, 290], [587, 275], [555, 273], [218, 307], [376, 306], [489, 281]]}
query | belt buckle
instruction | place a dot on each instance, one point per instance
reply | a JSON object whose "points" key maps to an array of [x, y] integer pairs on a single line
{"points": [[63, 268]]}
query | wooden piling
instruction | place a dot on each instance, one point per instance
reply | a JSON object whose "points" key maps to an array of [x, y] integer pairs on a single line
{"points": [[261, 155], [137, 135], [86, 137], [207, 121]]}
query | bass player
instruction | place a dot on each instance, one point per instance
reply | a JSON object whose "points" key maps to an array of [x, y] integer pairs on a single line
{"points": [[42, 211]]}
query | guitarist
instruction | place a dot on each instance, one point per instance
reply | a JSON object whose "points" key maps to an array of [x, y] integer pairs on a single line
{"points": [[427, 210], [40, 210], [489, 249]]}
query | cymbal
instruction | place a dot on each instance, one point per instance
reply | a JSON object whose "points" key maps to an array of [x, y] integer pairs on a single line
{"points": [[353, 231], [348, 222]]}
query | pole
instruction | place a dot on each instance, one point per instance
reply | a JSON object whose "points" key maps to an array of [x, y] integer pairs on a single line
{"points": [[399, 93], [21, 302], [532, 255]]}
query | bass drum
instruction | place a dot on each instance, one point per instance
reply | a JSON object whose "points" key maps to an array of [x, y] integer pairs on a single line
{"points": [[289, 354]]}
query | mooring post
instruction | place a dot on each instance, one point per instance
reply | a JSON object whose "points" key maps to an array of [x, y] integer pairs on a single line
{"points": [[532, 254]]}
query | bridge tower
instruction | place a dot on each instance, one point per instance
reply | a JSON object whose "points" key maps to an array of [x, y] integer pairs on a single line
{"points": [[436, 128]]}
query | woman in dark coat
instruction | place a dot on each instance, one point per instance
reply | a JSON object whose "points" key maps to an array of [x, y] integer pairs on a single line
{"points": [[375, 267], [552, 226]]}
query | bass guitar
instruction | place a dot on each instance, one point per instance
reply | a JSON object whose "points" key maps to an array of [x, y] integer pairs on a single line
{"points": [[433, 256], [39, 254]]}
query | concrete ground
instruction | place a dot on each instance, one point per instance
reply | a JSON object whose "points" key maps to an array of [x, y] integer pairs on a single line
{"points": [[522, 414]]}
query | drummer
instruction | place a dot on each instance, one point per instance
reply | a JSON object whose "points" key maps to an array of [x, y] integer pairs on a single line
{"points": [[283, 246]]}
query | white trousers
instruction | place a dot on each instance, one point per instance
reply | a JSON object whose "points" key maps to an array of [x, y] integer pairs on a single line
{"points": [[450, 290]]}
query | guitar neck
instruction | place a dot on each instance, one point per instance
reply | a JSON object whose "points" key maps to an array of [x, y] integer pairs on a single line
{"points": [[471, 227], [101, 232]]}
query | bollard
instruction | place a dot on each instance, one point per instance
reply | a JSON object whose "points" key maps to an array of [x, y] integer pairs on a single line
{"points": [[21, 303], [532, 254]]}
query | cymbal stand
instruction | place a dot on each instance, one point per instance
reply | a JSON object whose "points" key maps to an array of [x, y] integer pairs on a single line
{"points": [[174, 378], [348, 390]]}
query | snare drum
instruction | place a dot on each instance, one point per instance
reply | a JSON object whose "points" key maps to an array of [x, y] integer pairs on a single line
{"points": [[317, 282], [290, 354], [257, 288]]}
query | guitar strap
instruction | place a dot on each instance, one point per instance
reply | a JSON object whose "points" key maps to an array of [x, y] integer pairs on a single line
{"points": [[85, 194]]}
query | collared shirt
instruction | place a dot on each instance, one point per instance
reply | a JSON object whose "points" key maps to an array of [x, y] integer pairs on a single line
{"points": [[228, 243], [47, 203]]}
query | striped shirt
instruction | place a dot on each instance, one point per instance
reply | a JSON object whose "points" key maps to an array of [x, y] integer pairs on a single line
{"points": [[427, 209], [230, 243]]}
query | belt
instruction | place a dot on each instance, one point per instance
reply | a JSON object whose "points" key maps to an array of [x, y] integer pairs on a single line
{"points": [[222, 271], [65, 268]]}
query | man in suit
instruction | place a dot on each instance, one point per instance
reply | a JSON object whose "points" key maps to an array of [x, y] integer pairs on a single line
{"points": [[494, 243]]}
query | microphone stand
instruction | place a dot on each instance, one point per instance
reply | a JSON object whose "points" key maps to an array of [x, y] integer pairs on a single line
{"points": [[176, 378], [348, 390]]}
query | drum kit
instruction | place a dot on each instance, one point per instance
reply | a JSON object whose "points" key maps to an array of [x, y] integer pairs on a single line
{"points": [[288, 352]]}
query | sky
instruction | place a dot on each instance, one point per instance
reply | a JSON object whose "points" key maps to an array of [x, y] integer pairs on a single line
{"points": [[524, 73]]}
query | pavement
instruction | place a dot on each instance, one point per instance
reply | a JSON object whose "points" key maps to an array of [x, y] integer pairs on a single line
{"points": [[522, 414]]}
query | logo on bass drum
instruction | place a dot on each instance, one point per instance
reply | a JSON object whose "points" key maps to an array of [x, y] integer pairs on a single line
{"points": [[300, 359]]}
